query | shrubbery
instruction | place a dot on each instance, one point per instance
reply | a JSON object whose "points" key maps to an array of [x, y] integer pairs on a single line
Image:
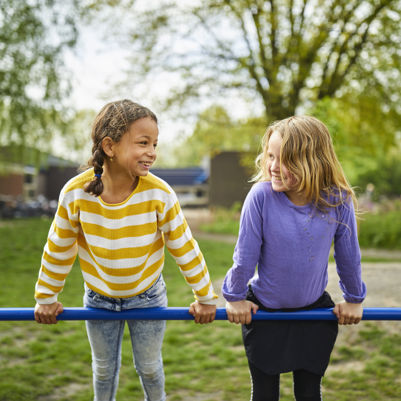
{"points": [[380, 228]]}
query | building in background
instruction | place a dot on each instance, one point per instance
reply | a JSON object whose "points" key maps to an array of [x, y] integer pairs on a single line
{"points": [[30, 181], [229, 178], [29, 187], [190, 184], [27, 173]]}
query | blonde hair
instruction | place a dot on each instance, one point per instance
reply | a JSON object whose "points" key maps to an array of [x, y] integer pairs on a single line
{"points": [[307, 152]]}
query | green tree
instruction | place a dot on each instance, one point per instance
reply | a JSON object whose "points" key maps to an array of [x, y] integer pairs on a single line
{"points": [[33, 78], [216, 131], [364, 132], [385, 175], [77, 144], [280, 54]]}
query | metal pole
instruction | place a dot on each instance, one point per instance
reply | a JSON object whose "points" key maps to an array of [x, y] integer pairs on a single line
{"points": [[178, 313]]}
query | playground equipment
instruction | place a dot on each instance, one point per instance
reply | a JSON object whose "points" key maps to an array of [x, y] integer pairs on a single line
{"points": [[178, 313]]}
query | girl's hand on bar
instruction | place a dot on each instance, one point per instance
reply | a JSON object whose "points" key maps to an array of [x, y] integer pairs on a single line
{"points": [[348, 313], [47, 313], [240, 312], [202, 313]]}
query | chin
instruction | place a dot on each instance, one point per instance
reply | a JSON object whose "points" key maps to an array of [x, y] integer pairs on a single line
{"points": [[278, 187], [141, 172]]}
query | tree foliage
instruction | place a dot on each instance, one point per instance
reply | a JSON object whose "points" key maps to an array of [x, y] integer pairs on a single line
{"points": [[364, 133], [216, 131], [33, 79], [280, 54], [385, 175]]}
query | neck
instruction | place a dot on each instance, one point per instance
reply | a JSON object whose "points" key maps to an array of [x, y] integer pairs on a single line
{"points": [[297, 199], [117, 187]]}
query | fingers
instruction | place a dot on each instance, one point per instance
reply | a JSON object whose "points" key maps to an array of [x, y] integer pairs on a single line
{"points": [[240, 318], [60, 309], [202, 313], [347, 313], [241, 312], [254, 307], [45, 318], [348, 320], [47, 314]]}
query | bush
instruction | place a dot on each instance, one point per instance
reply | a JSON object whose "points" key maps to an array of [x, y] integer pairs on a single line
{"points": [[381, 230], [376, 230], [385, 177]]}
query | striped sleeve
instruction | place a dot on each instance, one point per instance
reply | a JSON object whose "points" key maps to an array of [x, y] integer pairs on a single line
{"points": [[59, 253], [185, 250]]}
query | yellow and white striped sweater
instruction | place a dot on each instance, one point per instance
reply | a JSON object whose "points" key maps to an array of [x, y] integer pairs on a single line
{"points": [[120, 246]]}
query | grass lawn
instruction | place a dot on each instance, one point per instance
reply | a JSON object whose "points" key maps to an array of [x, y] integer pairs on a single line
{"points": [[202, 363]]}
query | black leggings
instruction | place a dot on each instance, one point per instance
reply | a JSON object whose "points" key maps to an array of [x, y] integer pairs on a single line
{"points": [[267, 387]]}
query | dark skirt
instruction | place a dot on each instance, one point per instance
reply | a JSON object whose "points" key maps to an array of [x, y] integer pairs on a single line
{"points": [[278, 346]]}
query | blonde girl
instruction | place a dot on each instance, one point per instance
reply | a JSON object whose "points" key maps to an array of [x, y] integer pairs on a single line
{"points": [[300, 205], [117, 216]]}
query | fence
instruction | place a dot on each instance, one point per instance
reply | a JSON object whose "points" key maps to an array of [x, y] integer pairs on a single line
{"points": [[177, 313]]}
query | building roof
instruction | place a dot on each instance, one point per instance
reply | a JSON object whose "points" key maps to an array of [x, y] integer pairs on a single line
{"points": [[31, 157], [182, 176]]}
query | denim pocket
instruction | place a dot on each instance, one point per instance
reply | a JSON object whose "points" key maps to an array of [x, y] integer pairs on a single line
{"points": [[94, 296], [90, 293], [156, 290]]}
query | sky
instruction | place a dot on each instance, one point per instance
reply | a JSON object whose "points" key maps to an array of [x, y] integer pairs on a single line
{"points": [[98, 68]]}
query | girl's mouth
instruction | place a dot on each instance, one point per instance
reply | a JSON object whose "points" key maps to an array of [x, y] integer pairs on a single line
{"points": [[146, 165]]}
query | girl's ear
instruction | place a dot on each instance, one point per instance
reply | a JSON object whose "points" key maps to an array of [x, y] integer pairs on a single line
{"points": [[108, 146]]}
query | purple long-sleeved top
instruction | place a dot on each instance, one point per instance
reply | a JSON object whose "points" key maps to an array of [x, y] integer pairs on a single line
{"points": [[290, 246]]}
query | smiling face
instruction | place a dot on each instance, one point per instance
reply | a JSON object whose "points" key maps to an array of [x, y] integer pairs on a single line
{"points": [[282, 180], [135, 153], [298, 158]]}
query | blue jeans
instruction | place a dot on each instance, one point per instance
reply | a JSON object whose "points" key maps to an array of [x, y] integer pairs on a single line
{"points": [[105, 337]]}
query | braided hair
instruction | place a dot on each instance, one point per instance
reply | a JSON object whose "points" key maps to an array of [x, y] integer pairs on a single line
{"points": [[113, 121]]}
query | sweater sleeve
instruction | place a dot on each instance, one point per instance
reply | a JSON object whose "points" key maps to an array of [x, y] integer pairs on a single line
{"points": [[248, 248], [348, 256], [59, 253], [185, 250]]}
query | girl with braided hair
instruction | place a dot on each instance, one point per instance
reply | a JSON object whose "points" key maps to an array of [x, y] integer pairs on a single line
{"points": [[117, 216]]}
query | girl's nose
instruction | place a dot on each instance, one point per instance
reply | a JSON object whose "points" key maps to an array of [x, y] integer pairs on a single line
{"points": [[275, 166], [152, 151]]}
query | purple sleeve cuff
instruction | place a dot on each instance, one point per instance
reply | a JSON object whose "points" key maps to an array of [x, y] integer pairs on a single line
{"points": [[233, 298], [234, 289], [352, 298]]}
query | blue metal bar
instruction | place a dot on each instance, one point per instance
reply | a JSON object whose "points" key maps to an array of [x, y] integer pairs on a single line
{"points": [[18, 314]]}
